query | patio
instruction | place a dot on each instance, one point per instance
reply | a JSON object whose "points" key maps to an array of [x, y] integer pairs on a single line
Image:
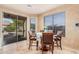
{"points": [[37, 18]]}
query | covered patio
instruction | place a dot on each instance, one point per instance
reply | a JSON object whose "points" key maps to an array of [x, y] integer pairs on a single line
{"points": [[38, 18]]}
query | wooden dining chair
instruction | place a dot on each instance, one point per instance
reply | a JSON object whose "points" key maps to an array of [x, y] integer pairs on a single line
{"points": [[57, 39], [32, 38], [47, 39]]}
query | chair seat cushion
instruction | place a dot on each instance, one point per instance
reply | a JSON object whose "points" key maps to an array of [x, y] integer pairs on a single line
{"points": [[32, 37]]}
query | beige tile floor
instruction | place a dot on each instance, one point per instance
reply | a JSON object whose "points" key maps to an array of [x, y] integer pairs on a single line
{"points": [[22, 48]]}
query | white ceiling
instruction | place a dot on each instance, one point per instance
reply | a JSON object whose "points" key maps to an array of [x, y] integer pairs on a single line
{"points": [[35, 9]]}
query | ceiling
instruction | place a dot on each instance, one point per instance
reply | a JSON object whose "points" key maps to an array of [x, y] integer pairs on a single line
{"points": [[32, 8]]}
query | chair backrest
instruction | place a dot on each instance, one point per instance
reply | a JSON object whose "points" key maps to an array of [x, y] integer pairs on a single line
{"points": [[31, 34], [59, 33], [47, 37], [41, 30]]}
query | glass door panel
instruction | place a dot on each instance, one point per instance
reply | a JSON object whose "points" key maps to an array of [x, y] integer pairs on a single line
{"points": [[20, 28], [9, 29]]}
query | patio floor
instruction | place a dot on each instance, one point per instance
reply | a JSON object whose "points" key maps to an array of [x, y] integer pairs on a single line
{"points": [[22, 48]]}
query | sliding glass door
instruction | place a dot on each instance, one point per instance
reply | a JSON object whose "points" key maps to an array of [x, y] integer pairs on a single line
{"points": [[55, 22], [13, 28]]}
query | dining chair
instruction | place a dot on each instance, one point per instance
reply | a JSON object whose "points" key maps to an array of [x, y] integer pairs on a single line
{"points": [[47, 39], [32, 38], [57, 39]]}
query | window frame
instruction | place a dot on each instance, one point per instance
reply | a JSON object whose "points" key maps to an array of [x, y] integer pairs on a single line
{"points": [[54, 19]]}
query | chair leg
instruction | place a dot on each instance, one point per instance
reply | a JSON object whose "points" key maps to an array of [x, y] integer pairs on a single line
{"points": [[49, 47], [37, 45], [42, 48], [60, 45], [52, 48], [57, 43], [30, 45]]}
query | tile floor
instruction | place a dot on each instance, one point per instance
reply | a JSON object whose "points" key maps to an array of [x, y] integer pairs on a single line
{"points": [[22, 48]]}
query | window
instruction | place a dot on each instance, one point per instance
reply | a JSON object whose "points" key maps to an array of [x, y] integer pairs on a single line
{"points": [[59, 22], [33, 24], [55, 22], [48, 23]]}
